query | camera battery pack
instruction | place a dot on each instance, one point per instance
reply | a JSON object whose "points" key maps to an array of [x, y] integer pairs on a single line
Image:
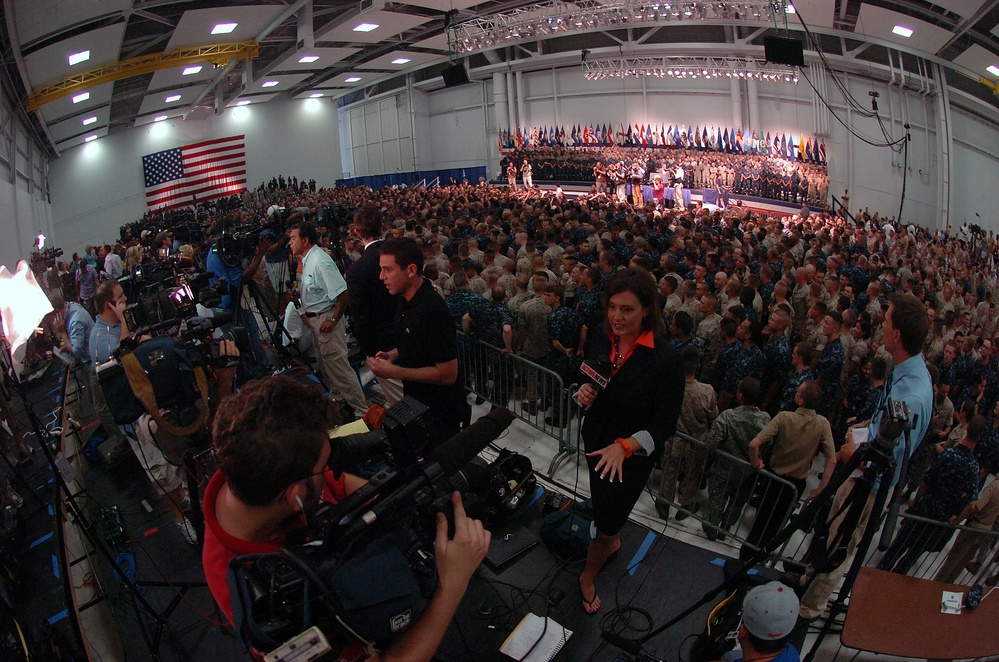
{"points": [[555, 501], [309, 645]]}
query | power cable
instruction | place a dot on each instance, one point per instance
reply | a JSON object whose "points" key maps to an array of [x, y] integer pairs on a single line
{"points": [[847, 95]]}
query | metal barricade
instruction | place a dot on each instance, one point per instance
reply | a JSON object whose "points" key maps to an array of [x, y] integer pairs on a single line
{"points": [[929, 549], [923, 548], [720, 491], [533, 393]]}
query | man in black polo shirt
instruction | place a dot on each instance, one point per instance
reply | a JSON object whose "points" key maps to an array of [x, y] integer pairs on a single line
{"points": [[426, 354]]}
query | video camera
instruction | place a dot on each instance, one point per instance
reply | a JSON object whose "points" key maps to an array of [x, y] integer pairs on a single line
{"points": [[894, 423], [238, 242], [162, 306], [364, 568], [43, 260]]}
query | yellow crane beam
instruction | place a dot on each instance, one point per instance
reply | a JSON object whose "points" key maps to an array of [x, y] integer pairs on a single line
{"points": [[217, 54], [989, 84]]}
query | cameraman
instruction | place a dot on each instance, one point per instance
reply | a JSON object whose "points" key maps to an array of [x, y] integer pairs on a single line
{"points": [[225, 267], [905, 327], [272, 448], [107, 333], [73, 325]]}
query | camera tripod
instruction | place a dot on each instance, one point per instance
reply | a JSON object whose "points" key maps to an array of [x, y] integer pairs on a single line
{"points": [[878, 466], [152, 631], [285, 347]]}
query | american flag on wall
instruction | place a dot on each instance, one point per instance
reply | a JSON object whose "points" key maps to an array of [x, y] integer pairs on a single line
{"points": [[205, 170]]}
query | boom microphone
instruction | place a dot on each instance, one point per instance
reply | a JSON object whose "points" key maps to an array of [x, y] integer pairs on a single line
{"points": [[462, 448], [447, 460]]}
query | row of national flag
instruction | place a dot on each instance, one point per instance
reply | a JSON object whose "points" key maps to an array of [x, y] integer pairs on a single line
{"points": [[807, 149]]}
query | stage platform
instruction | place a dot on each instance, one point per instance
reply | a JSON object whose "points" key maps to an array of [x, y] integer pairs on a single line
{"points": [[765, 205], [663, 568]]}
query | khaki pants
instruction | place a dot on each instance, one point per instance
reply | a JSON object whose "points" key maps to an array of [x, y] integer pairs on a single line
{"points": [[141, 437], [814, 602], [331, 349], [100, 404]]}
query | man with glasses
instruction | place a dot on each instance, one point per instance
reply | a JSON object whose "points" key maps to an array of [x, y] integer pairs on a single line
{"points": [[272, 447]]}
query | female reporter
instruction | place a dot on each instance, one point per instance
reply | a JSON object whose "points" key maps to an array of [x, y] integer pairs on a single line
{"points": [[627, 424]]}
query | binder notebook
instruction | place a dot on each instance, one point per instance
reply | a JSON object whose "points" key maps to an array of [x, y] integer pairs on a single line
{"points": [[532, 641], [509, 546]]}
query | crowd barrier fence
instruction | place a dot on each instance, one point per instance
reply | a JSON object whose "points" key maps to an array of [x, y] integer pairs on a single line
{"points": [[719, 490]]}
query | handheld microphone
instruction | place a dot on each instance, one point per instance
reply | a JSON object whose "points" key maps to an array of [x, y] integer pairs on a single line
{"points": [[598, 373]]}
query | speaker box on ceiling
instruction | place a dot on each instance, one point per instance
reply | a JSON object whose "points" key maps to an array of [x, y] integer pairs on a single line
{"points": [[781, 50], [455, 75]]}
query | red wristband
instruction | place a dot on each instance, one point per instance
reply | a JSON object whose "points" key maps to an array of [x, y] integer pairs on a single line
{"points": [[626, 446]]}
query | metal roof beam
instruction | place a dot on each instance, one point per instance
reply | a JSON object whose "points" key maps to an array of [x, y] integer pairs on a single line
{"points": [[218, 54]]}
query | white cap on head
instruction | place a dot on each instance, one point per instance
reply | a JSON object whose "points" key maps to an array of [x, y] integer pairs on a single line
{"points": [[770, 611]]}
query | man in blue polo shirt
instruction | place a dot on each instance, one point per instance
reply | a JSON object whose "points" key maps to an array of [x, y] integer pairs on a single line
{"points": [[905, 327], [74, 324]]}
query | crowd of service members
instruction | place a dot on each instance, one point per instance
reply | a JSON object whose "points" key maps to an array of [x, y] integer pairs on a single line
{"points": [[776, 299]]}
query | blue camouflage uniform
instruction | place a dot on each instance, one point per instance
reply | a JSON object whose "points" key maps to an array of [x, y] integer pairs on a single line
{"points": [[952, 483], [830, 370]]}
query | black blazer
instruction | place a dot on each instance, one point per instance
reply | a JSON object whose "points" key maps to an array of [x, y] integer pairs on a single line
{"points": [[645, 394], [372, 308]]}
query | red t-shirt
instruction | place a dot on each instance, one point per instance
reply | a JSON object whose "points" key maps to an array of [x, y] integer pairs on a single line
{"points": [[221, 547]]}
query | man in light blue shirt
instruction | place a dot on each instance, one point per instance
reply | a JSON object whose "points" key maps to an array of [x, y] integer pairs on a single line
{"points": [[78, 325], [324, 302], [87, 280], [107, 332], [74, 325], [905, 327]]}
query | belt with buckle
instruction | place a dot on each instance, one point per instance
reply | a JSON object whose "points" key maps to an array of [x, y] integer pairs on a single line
{"points": [[321, 312]]}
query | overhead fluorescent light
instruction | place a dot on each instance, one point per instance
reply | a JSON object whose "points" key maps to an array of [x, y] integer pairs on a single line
{"points": [[83, 96], [172, 98], [77, 58], [224, 28], [90, 138], [315, 95], [269, 83], [159, 118], [902, 31], [90, 120], [992, 69], [191, 70], [244, 102], [401, 60], [365, 27], [789, 9], [308, 59], [351, 79]]}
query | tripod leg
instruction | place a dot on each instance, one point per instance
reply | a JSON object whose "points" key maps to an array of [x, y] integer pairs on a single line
{"points": [[873, 524], [801, 521]]}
